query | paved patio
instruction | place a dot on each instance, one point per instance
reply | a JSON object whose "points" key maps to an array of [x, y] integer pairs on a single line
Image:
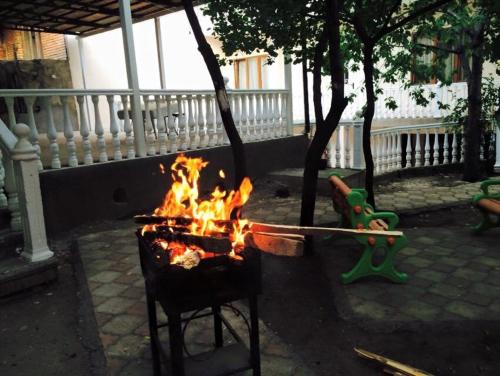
{"points": [[453, 276]]}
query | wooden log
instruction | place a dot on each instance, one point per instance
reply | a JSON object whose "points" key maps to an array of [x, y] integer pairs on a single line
{"points": [[207, 243], [323, 231], [275, 243]]}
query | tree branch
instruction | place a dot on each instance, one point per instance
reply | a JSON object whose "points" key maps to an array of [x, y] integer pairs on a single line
{"points": [[411, 17], [319, 51], [396, 5]]}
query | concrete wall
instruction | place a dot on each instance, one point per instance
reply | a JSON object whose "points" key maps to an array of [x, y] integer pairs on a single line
{"points": [[113, 190]]}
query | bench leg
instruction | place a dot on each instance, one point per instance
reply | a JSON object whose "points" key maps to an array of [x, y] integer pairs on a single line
{"points": [[486, 223], [386, 269]]}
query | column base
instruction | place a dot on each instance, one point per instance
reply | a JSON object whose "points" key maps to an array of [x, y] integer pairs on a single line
{"points": [[37, 255]]}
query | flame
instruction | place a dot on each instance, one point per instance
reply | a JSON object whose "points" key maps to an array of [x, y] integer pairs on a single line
{"points": [[217, 215]]}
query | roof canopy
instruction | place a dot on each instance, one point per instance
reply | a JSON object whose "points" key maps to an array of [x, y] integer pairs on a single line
{"points": [[79, 17]]}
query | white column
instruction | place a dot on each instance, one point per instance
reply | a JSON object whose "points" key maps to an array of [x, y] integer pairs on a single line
{"points": [[338, 161], [150, 137], [182, 123], [172, 132], [160, 124], [408, 151], [133, 80], [357, 146], [202, 131], [159, 51], [30, 197], [435, 147], [289, 101], [418, 153], [454, 149], [211, 133], [446, 148], [398, 151], [191, 122], [497, 161]]}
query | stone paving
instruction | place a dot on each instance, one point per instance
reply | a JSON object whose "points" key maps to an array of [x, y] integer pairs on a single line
{"points": [[453, 276]]}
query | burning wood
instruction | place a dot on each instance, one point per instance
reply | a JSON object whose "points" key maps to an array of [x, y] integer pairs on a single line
{"points": [[277, 244]]}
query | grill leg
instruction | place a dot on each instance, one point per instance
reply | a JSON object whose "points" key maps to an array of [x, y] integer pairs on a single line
{"points": [[176, 344], [219, 342], [254, 335], [153, 333]]}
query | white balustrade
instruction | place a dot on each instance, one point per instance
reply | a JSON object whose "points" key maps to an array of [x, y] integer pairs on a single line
{"points": [[55, 161], [219, 129], [408, 151], [251, 117], [427, 154], [171, 129], [446, 149], [244, 118], [160, 124], [454, 150]]}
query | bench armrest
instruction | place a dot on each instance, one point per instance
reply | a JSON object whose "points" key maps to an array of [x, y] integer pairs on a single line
{"points": [[487, 183], [391, 218]]}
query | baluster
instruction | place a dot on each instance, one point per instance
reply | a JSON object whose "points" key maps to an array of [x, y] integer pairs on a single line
{"points": [[202, 131], [236, 111], [462, 149], [219, 131], [284, 125], [52, 134], [84, 131], [408, 151], [337, 148], [30, 101], [265, 116], [9, 101], [435, 148], [99, 131], [394, 141], [347, 149], [381, 153], [251, 117], [160, 125], [192, 123], [212, 136], [127, 126], [244, 117], [454, 149], [258, 116], [3, 197], [12, 196], [427, 154], [389, 156], [150, 137], [171, 131], [446, 149], [418, 153], [276, 122], [113, 127], [398, 151], [373, 142], [182, 121], [68, 133]]}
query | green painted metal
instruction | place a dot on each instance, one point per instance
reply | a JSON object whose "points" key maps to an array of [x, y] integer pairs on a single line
{"points": [[489, 220], [358, 214]]}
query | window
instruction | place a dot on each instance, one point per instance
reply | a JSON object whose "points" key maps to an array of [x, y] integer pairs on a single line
{"points": [[248, 72], [452, 69]]}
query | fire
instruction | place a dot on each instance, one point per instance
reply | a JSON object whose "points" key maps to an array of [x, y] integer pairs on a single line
{"points": [[219, 215]]}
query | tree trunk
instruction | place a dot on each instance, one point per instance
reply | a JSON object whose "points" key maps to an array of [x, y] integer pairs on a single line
{"points": [[473, 129], [305, 89], [324, 128], [240, 167], [367, 121]]}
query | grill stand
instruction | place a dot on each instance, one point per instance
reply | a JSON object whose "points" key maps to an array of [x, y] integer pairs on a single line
{"points": [[223, 361]]}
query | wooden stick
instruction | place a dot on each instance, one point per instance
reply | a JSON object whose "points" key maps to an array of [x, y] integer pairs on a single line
{"points": [[207, 243], [282, 229], [275, 244]]}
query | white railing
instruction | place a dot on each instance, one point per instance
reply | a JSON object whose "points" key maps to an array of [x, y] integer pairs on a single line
{"points": [[400, 147], [74, 127]]}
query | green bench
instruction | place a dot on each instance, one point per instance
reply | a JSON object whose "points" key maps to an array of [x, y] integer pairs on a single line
{"points": [[356, 213], [489, 205]]}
